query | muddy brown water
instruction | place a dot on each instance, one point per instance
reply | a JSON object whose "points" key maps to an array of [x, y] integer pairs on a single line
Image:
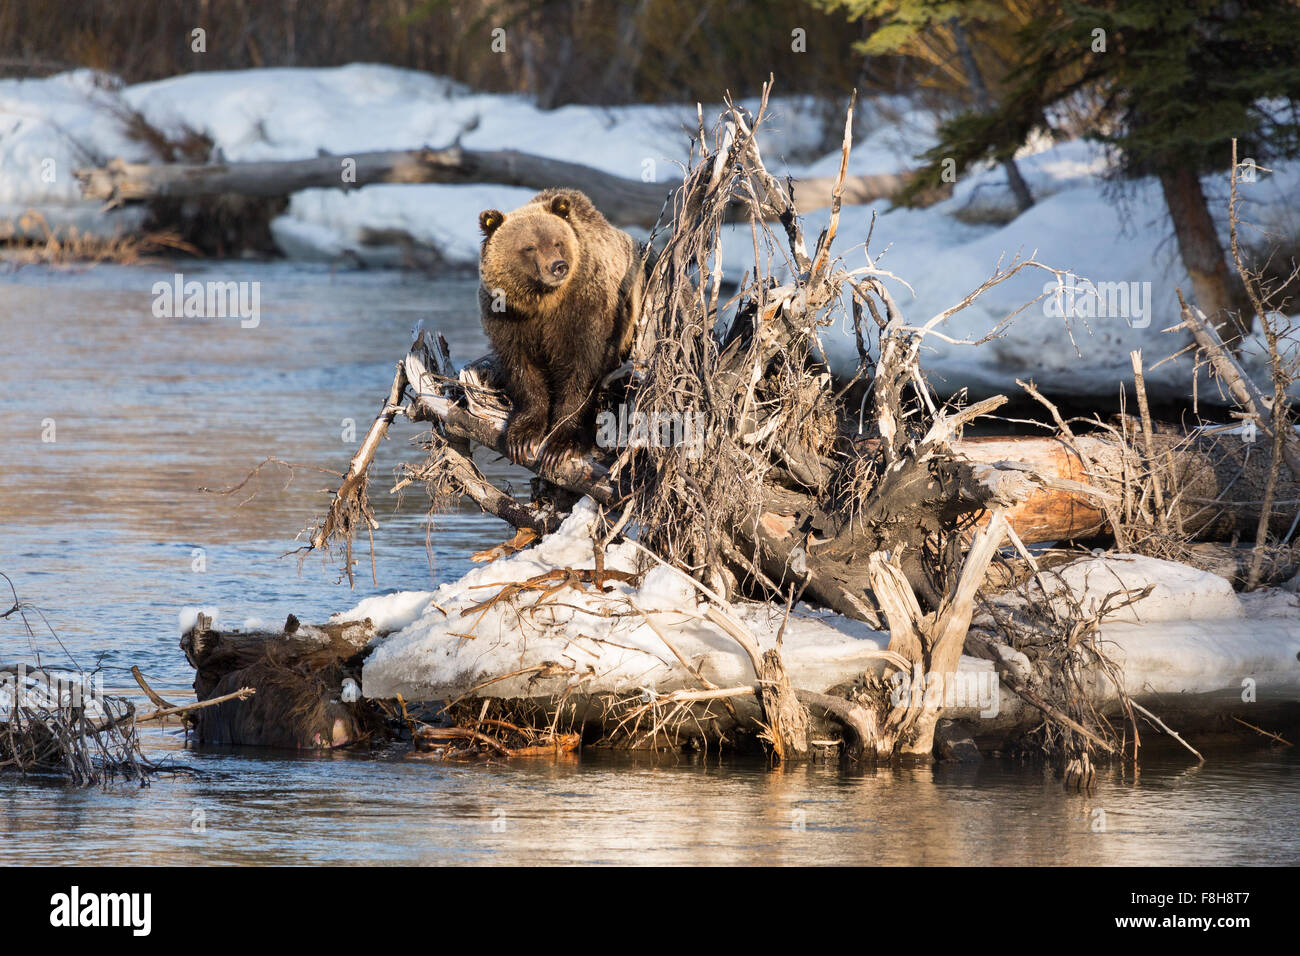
{"points": [[104, 528]]}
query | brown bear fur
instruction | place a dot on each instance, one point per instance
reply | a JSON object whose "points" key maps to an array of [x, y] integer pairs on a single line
{"points": [[559, 297]]}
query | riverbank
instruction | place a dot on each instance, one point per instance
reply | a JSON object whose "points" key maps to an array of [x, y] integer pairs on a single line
{"points": [[57, 125]]}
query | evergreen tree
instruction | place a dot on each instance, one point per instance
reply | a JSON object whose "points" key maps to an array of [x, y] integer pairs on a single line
{"points": [[1172, 83], [938, 33]]}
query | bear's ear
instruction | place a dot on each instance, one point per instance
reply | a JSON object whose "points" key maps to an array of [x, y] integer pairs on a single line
{"points": [[489, 220], [560, 206]]}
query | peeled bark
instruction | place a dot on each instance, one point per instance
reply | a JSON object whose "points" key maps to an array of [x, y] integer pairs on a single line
{"points": [[1215, 484]]}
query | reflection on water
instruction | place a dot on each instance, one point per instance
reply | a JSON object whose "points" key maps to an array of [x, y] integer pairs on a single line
{"points": [[106, 531], [105, 527], [258, 807]]}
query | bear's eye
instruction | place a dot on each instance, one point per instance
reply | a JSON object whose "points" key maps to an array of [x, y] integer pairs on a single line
{"points": [[528, 250], [558, 243]]}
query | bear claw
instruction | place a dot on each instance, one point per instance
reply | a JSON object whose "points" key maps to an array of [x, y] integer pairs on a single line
{"points": [[522, 444], [559, 449]]}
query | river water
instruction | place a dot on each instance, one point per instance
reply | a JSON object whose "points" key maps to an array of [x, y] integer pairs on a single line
{"points": [[113, 419]]}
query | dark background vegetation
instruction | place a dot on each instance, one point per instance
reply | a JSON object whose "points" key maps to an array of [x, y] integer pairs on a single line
{"points": [[561, 51]]}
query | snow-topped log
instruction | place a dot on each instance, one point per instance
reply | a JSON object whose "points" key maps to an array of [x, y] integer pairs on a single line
{"points": [[624, 201], [638, 664]]}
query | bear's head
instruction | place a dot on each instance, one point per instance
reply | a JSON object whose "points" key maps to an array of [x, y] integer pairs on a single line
{"points": [[532, 251]]}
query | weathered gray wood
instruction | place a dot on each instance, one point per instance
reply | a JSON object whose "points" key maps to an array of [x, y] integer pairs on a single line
{"points": [[624, 201]]}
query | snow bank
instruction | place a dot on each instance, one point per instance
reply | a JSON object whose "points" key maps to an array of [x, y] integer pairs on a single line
{"points": [[1191, 643], [48, 128], [1074, 226], [599, 641], [1215, 659], [944, 251], [1178, 592]]}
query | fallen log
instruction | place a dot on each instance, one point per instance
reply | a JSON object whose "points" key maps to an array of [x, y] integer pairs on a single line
{"points": [[1217, 483], [624, 201], [1185, 646]]}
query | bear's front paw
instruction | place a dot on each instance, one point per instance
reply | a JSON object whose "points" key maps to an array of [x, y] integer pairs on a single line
{"points": [[560, 447], [523, 439]]}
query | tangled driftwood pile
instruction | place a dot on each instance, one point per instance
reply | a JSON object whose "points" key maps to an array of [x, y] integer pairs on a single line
{"points": [[58, 720], [861, 496], [50, 723]]}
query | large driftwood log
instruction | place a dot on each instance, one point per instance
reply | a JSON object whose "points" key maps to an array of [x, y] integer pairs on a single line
{"points": [[1217, 483], [624, 201]]}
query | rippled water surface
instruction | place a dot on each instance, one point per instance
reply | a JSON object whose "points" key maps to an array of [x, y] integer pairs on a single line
{"points": [[106, 531]]}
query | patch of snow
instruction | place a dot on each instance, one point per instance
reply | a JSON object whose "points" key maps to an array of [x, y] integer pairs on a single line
{"points": [[599, 639], [663, 588], [1192, 635], [1220, 657], [389, 612], [1273, 602], [1178, 592], [189, 616]]}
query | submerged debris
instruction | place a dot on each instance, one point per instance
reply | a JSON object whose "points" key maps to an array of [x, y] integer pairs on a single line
{"points": [[56, 722]]}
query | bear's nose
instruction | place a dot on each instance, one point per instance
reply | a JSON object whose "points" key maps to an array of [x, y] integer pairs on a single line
{"points": [[559, 268]]}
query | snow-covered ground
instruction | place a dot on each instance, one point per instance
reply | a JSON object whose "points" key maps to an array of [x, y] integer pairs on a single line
{"points": [[51, 126]]}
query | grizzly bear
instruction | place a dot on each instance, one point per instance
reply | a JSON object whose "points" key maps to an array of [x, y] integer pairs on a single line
{"points": [[560, 295]]}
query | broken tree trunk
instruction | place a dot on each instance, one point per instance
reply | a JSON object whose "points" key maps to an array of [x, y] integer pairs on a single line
{"points": [[297, 674], [625, 201], [932, 642]]}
